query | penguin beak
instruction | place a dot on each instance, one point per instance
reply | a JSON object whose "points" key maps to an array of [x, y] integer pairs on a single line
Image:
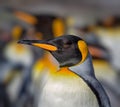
{"points": [[39, 43]]}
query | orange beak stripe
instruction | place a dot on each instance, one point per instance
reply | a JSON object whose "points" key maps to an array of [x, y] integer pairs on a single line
{"points": [[45, 46]]}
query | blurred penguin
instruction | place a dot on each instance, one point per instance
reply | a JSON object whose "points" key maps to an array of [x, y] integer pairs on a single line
{"points": [[109, 34], [20, 58]]}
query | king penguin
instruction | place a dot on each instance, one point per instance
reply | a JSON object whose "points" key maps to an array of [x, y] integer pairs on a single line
{"points": [[74, 84]]}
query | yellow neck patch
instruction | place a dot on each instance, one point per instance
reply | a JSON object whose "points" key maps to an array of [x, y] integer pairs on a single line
{"points": [[83, 49], [63, 73]]}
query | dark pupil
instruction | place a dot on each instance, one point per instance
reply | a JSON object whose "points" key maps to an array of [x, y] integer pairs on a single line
{"points": [[67, 44]]}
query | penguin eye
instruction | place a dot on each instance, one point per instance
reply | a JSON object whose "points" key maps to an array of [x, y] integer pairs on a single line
{"points": [[67, 45]]}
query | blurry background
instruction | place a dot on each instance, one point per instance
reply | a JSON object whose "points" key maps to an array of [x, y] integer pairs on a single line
{"points": [[98, 22]]}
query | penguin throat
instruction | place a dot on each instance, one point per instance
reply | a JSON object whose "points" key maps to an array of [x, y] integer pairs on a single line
{"points": [[70, 62], [67, 59], [65, 71]]}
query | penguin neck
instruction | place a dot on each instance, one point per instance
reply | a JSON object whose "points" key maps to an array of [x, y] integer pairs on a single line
{"points": [[86, 72], [85, 68], [64, 71], [80, 69]]}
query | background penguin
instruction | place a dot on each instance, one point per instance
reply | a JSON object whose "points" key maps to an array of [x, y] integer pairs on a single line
{"points": [[108, 30], [74, 84], [17, 73]]}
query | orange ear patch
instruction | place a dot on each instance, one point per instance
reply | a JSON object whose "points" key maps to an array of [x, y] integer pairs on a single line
{"points": [[83, 49]]}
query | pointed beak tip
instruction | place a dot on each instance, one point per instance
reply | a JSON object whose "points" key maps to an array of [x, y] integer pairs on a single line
{"points": [[24, 42], [20, 42], [40, 44]]}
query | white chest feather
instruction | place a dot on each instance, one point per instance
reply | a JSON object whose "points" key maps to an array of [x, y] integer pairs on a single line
{"points": [[66, 92]]}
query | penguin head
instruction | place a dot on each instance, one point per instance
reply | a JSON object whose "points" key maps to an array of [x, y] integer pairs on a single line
{"points": [[68, 50]]}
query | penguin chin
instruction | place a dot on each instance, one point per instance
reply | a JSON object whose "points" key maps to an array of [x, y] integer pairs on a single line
{"points": [[66, 65], [69, 63]]}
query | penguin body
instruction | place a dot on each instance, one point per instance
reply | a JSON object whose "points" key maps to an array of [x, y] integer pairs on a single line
{"points": [[66, 89], [74, 84]]}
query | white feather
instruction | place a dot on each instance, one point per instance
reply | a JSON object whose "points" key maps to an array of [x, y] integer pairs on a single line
{"points": [[66, 92]]}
